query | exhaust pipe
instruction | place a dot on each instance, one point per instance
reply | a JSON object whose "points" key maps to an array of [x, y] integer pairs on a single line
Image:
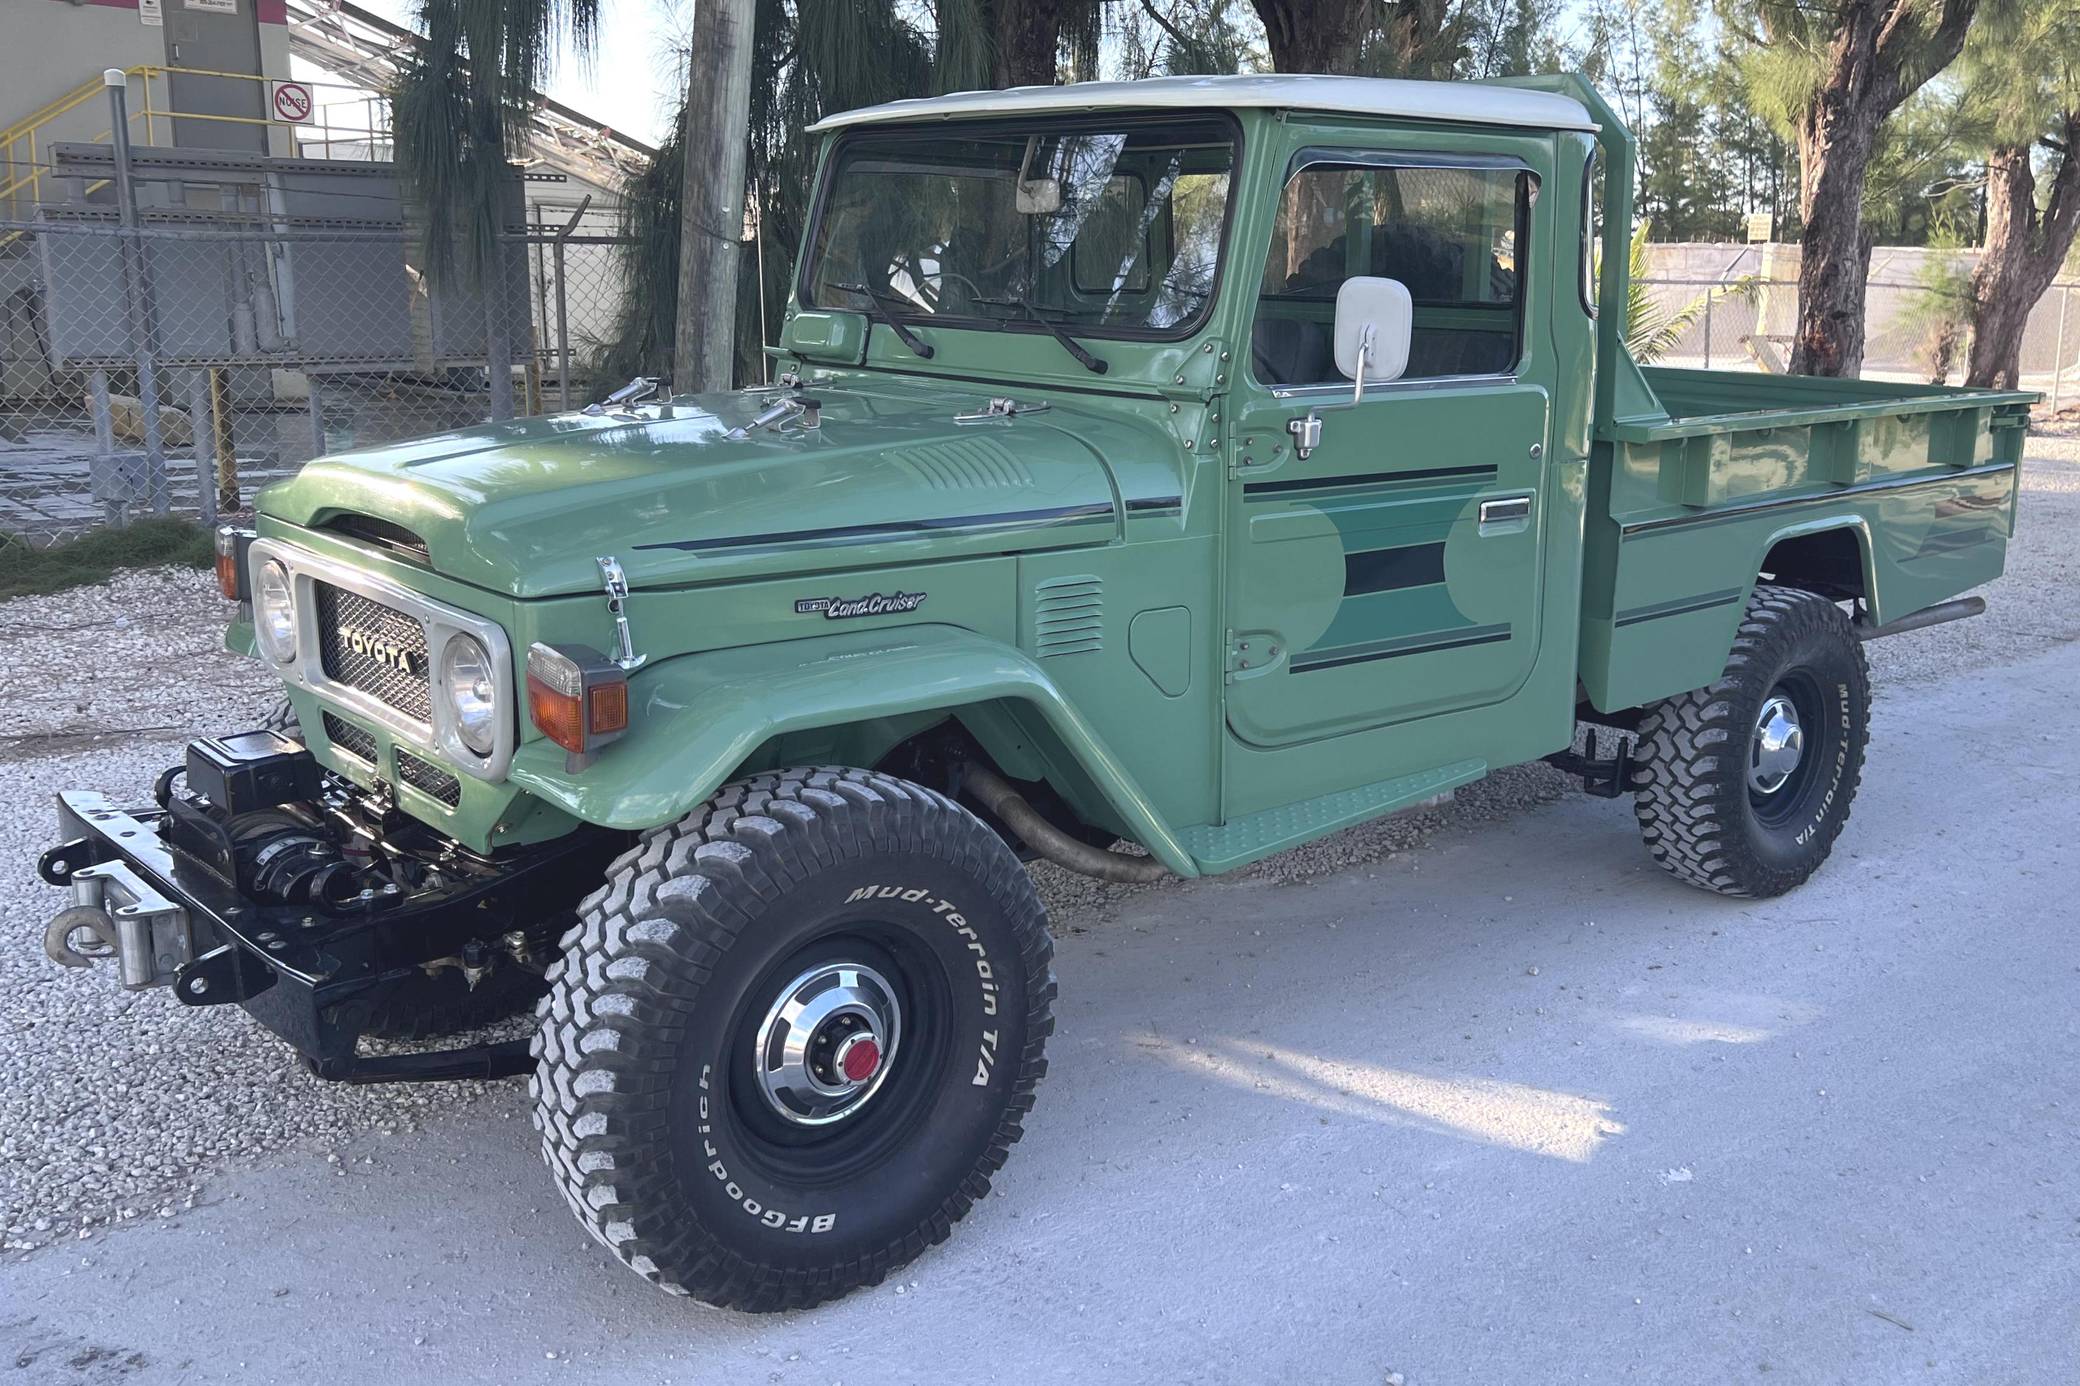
{"points": [[1927, 616], [1050, 842]]}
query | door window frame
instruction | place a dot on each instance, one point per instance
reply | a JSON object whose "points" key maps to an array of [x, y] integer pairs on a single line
{"points": [[1315, 156]]}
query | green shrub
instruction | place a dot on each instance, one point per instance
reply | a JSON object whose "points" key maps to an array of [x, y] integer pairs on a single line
{"points": [[26, 569]]}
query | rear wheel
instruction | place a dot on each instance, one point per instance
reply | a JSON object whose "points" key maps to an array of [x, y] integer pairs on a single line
{"points": [[793, 1037], [1743, 786]]}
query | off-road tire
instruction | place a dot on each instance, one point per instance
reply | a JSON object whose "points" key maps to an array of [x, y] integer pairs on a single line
{"points": [[1700, 817], [647, 1097], [427, 1005], [282, 718]]}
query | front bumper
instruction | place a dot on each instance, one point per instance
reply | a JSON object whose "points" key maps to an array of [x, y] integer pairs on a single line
{"points": [[310, 976]]}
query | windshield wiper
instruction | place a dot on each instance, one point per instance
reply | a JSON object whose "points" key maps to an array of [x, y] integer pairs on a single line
{"points": [[882, 311], [1096, 365]]}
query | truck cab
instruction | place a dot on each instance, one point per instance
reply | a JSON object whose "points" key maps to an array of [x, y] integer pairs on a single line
{"points": [[1152, 476]]}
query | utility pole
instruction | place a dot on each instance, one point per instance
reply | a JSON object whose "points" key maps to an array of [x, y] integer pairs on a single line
{"points": [[711, 206]]}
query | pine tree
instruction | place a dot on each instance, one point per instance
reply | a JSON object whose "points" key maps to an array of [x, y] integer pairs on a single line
{"points": [[1832, 76], [2025, 66]]}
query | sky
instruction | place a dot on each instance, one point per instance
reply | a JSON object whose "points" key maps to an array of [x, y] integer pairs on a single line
{"points": [[629, 86]]}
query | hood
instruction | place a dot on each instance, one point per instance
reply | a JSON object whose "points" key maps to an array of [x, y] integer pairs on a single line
{"points": [[526, 506]]}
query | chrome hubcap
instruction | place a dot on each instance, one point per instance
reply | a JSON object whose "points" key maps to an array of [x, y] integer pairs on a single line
{"points": [[1777, 747], [827, 1044]]}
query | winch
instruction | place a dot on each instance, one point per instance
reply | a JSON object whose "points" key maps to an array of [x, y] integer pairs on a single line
{"points": [[253, 809]]}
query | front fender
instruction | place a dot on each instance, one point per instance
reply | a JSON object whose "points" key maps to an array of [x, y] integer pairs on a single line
{"points": [[696, 718]]}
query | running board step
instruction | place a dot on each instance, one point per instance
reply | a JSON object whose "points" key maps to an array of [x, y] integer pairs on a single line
{"points": [[1240, 841]]}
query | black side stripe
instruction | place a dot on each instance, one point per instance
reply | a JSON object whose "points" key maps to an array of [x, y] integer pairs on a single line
{"points": [[1154, 503], [1389, 570], [1482, 635], [1681, 606], [893, 529], [1328, 483]]}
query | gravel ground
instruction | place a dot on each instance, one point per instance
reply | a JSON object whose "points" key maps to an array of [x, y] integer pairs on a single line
{"points": [[88, 1139]]}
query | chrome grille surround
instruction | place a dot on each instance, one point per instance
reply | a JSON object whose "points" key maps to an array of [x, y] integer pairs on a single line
{"points": [[356, 682]]}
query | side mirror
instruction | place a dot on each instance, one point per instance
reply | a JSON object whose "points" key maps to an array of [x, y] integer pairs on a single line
{"points": [[1035, 197], [1374, 318]]}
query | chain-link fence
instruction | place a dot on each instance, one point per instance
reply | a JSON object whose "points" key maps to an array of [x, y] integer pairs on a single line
{"points": [[269, 343], [264, 344], [1912, 330]]}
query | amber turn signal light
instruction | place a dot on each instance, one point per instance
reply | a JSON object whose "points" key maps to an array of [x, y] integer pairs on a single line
{"points": [[231, 562], [577, 697]]}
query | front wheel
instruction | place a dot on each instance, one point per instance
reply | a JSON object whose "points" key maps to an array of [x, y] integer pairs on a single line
{"points": [[1742, 787], [793, 1036]]}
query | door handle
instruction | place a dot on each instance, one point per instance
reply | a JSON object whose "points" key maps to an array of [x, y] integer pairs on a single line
{"points": [[1510, 511]]}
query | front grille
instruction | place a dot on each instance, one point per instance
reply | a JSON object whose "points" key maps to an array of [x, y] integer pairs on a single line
{"points": [[377, 649], [428, 778], [350, 738]]}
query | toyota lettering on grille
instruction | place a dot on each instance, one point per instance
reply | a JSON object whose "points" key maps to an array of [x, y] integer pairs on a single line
{"points": [[383, 650]]}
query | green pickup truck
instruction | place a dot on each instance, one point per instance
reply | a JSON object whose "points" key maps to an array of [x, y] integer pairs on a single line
{"points": [[1155, 476]]}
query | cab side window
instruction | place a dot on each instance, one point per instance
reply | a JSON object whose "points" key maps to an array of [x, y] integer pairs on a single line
{"points": [[1456, 237]]}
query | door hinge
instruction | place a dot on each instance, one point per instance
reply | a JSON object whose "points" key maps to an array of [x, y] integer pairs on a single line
{"points": [[1252, 650]]}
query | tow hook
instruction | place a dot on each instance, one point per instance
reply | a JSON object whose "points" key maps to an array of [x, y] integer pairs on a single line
{"points": [[116, 914], [63, 945]]}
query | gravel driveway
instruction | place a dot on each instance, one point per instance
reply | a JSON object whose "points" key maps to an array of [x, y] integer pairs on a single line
{"points": [[116, 1107]]}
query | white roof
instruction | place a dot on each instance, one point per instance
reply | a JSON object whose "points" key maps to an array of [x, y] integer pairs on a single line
{"points": [[1460, 102]]}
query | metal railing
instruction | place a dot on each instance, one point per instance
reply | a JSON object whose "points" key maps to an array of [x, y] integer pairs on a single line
{"points": [[25, 146]]}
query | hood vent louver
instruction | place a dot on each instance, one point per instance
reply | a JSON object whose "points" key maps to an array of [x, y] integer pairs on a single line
{"points": [[1068, 616], [383, 534]]}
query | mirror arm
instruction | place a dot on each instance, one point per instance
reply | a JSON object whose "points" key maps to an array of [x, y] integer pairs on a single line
{"points": [[1307, 431]]}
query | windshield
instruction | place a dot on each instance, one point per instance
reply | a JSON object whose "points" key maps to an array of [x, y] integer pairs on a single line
{"points": [[1100, 231]]}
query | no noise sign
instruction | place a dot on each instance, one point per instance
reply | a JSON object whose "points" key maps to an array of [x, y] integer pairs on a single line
{"points": [[291, 101]]}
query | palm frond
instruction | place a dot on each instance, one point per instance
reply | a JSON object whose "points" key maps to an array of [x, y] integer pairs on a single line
{"points": [[459, 114], [1651, 330]]}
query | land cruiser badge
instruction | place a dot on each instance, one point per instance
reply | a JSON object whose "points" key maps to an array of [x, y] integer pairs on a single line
{"points": [[840, 608]]}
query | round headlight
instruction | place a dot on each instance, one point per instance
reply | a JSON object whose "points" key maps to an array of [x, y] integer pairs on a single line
{"points": [[471, 691], [274, 612]]}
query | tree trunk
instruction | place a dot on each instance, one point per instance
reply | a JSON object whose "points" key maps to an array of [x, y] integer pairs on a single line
{"points": [[711, 234], [2023, 253], [1318, 37], [1835, 254], [1416, 30], [1879, 53], [1029, 40]]}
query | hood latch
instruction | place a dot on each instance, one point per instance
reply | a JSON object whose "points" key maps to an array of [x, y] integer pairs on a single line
{"points": [[1002, 407], [617, 606]]}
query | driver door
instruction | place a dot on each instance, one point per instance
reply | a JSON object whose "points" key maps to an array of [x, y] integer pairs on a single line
{"points": [[1394, 573]]}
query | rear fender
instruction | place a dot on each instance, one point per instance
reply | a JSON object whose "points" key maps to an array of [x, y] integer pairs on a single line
{"points": [[695, 719], [1854, 523], [1641, 659]]}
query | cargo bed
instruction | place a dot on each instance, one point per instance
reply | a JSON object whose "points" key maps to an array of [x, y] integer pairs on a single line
{"points": [[1896, 494], [1692, 402]]}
